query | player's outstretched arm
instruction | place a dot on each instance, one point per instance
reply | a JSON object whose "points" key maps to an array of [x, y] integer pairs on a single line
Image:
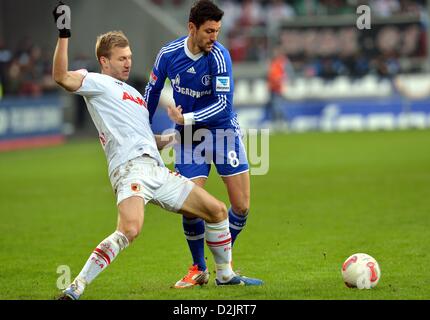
{"points": [[69, 80]]}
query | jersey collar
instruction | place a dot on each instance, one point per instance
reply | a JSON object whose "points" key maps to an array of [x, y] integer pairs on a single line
{"points": [[189, 54]]}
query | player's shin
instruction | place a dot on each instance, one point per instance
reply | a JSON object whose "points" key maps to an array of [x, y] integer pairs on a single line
{"points": [[100, 258], [218, 239], [194, 230], [237, 223]]}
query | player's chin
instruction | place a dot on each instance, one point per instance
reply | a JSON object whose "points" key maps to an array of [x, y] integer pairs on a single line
{"points": [[207, 48], [125, 76]]}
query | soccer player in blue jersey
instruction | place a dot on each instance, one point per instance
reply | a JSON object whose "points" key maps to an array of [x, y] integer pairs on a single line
{"points": [[200, 71]]}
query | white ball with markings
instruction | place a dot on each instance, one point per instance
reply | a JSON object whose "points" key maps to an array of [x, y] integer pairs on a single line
{"points": [[361, 271]]}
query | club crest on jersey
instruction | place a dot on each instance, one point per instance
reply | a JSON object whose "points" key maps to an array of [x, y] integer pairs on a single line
{"points": [[135, 187], [222, 84], [177, 80], [206, 80]]}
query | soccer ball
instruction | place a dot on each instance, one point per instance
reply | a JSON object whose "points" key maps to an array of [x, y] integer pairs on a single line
{"points": [[361, 271]]}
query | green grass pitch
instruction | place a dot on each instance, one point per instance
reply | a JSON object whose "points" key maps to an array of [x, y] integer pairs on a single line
{"points": [[326, 196]]}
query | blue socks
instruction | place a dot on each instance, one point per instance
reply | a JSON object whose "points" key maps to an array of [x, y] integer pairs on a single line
{"points": [[237, 223], [194, 230]]}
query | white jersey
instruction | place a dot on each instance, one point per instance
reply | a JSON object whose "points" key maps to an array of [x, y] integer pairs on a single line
{"points": [[121, 118]]}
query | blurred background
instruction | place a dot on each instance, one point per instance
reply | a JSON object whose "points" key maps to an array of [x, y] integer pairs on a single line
{"points": [[299, 65], [349, 157]]}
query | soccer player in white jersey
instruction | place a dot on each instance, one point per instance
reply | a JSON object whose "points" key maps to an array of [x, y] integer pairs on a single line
{"points": [[136, 170]]}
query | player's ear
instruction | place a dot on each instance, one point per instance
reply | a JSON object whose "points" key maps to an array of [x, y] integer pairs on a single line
{"points": [[192, 28], [103, 60]]}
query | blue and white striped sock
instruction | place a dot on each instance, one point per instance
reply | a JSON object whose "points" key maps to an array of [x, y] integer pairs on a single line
{"points": [[237, 223], [194, 230]]}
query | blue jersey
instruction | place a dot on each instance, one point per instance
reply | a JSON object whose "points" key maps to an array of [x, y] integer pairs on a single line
{"points": [[202, 84]]}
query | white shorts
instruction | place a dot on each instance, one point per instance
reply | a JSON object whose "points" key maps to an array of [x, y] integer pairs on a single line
{"points": [[143, 177]]}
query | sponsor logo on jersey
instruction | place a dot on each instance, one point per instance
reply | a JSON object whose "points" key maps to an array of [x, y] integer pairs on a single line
{"points": [[152, 78], [138, 100], [191, 70], [187, 91], [222, 84], [206, 80], [118, 82]]}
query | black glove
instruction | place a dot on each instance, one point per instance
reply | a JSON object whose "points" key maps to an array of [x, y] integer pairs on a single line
{"points": [[62, 21]]}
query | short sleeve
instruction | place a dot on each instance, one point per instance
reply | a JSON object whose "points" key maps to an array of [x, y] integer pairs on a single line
{"points": [[92, 84]]}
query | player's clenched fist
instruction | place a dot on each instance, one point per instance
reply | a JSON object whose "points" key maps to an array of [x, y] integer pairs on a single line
{"points": [[62, 19]]}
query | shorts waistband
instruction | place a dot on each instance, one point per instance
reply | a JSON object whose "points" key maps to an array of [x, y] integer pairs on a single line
{"points": [[144, 158]]}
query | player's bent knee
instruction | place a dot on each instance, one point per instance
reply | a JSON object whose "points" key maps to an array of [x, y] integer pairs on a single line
{"points": [[223, 210], [131, 233], [241, 210], [219, 213], [240, 205]]}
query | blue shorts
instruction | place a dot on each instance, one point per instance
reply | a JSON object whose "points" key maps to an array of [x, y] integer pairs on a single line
{"points": [[223, 147]]}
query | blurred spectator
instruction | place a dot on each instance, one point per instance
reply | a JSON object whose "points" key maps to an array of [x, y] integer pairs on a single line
{"points": [[386, 65], [27, 70], [412, 7], [306, 7], [32, 72], [238, 44], [356, 65], [278, 75], [334, 7], [384, 8], [330, 50], [82, 61], [5, 58], [13, 81], [320, 51], [413, 42], [278, 11], [232, 13], [251, 14], [256, 48]]}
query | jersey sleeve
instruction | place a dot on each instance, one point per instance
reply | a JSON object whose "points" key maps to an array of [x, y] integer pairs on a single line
{"points": [[155, 84], [222, 88], [91, 84]]}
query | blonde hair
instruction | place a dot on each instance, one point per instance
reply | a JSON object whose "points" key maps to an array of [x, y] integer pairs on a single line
{"points": [[107, 41]]}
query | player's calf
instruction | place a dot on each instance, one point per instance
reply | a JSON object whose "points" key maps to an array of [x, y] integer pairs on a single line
{"points": [[101, 257]]}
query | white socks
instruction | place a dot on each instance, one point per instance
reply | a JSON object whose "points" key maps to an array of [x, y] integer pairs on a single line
{"points": [[218, 239], [101, 257]]}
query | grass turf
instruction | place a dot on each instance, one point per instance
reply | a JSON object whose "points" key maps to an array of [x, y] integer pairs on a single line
{"points": [[325, 197]]}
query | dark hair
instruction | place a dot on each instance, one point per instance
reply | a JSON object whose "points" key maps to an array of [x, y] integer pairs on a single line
{"points": [[204, 10]]}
